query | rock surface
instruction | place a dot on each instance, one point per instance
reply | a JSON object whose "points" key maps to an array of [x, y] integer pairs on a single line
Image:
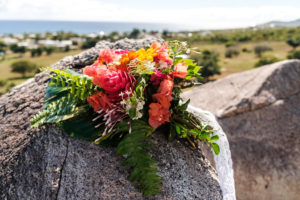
{"points": [[46, 164], [260, 112]]}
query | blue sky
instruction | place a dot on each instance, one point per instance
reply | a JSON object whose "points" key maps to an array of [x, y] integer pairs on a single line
{"points": [[191, 13]]}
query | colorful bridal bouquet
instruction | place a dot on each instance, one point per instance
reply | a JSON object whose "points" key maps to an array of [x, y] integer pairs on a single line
{"points": [[122, 98]]}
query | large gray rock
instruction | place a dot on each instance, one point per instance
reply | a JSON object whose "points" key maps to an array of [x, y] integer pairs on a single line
{"points": [[46, 164], [260, 111]]}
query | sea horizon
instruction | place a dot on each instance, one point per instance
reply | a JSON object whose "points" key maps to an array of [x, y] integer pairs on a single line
{"points": [[81, 27]]}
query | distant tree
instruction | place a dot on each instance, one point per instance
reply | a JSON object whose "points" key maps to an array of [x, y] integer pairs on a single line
{"points": [[67, 48], [231, 52], [261, 48], [265, 61], [165, 33], [33, 52], [89, 43], [22, 67], [16, 49], [135, 33], [294, 55], [209, 62], [49, 50], [293, 41], [74, 42], [36, 52], [2, 47]]}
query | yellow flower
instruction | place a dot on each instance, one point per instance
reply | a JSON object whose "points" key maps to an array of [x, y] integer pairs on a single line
{"points": [[146, 54]]}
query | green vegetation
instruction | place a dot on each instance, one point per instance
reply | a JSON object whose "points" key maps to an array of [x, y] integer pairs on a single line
{"points": [[209, 61], [294, 55], [11, 79], [231, 52], [22, 67], [265, 61], [261, 48]]}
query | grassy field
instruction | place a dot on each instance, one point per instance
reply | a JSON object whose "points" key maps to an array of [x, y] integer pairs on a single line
{"points": [[42, 61], [245, 60]]}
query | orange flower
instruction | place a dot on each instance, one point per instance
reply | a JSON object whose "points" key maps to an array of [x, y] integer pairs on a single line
{"points": [[100, 101], [158, 115], [155, 45], [159, 112], [180, 70], [165, 89], [125, 59]]}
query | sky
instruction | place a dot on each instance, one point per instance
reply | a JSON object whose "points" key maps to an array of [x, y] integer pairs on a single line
{"points": [[204, 14]]}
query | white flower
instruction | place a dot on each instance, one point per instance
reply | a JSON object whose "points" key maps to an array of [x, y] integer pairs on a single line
{"points": [[121, 94], [184, 44]]}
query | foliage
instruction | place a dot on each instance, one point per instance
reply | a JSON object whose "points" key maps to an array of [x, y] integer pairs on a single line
{"points": [[231, 52], [89, 43], [209, 62], [265, 61], [134, 33], [22, 67], [65, 92], [49, 50], [134, 146], [16, 49], [294, 55], [261, 48], [36, 52], [293, 41]]}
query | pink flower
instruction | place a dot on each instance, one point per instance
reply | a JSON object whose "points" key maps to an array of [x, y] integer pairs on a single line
{"points": [[121, 51], [180, 70], [157, 77], [107, 56]]}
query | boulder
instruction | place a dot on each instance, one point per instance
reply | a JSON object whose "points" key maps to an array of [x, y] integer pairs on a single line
{"points": [[46, 164], [260, 112]]}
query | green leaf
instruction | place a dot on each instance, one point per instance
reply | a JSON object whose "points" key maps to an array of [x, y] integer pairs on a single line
{"points": [[214, 138], [216, 148], [132, 113], [143, 171]]}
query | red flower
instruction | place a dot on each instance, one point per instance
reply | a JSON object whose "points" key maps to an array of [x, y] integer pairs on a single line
{"points": [[99, 101], [157, 77], [115, 82]]}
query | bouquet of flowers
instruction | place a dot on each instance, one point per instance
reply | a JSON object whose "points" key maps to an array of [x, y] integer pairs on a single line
{"points": [[122, 98]]}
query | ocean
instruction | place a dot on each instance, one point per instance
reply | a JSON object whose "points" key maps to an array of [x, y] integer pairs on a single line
{"points": [[26, 26]]}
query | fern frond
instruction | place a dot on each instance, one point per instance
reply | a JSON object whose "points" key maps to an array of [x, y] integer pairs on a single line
{"points": [[133, 147], [78, 85], [61, 109], [65, 92]]}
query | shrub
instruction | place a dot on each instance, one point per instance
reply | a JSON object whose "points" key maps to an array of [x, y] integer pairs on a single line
{"points": [[16, 49], [294, 55], [245, 50], [293, 41], [261, 48], [209, 62], [230, 44], [49, 50], [2, 83], [231, 52], [266, 61], [22, 67]]}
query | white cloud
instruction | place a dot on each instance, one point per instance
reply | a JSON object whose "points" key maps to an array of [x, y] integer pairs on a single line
{"points": [[93, 10]]}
